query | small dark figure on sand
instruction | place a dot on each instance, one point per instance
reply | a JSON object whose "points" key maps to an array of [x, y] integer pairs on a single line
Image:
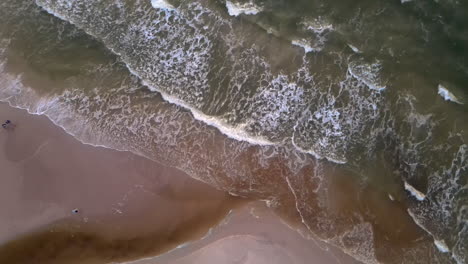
{"points": [[6, 124]]}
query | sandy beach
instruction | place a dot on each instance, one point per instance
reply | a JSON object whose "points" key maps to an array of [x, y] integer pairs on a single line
{"points": [[129, 208], [252, 234], [122, 199]]}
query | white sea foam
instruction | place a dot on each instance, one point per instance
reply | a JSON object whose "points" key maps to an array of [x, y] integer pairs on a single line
{"points": [[303, 44], [441, 246], [17, 95], [368, 74], [323, 147], [315, 37], [417, 194], [316, 155], [447, 95], [329, 132], [236, 9], [234, 132], [162, 4], [318, 26], [354, 48], [278, 100]]}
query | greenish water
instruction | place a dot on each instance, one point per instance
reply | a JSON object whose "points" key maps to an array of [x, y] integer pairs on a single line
{"points": [[345, 112]]}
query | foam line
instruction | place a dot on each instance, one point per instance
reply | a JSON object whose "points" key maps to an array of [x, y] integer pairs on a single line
{"points": [[233, 132], [303, 44], [417, 194], [236, 9], [447, 95], [162, 4]]}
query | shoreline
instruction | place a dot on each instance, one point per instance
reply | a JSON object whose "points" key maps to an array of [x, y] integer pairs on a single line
{"points": [[119, 195], [257, 235], [118, 219]]}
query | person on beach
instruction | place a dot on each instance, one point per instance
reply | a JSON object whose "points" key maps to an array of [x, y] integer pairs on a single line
{"points": [[6, 124]]}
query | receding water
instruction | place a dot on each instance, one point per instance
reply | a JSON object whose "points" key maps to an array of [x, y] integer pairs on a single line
{"points": [[350, 117]]}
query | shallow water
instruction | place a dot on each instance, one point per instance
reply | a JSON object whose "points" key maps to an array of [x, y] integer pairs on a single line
{"points": [[327, 110]]}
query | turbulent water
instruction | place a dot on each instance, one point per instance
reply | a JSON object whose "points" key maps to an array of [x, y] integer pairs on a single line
{"points": [[350, 117]]}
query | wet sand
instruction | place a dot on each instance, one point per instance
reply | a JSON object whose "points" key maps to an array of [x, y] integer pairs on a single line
{"points": [[253, 235], [129, 206]]}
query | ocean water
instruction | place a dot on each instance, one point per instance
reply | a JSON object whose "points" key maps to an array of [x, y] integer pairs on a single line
{"points": [[350, 118]]}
